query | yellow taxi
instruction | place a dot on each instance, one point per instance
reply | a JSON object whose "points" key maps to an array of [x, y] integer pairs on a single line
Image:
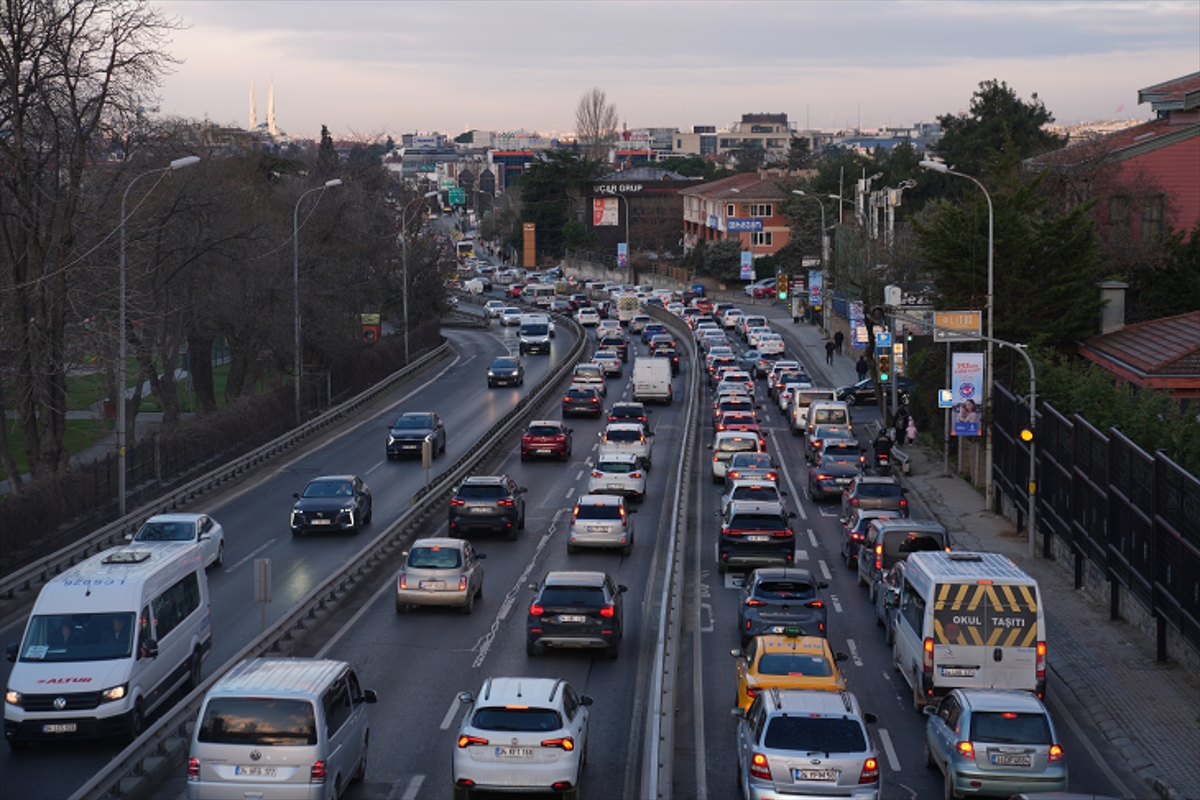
{"points": [[787, 661]]}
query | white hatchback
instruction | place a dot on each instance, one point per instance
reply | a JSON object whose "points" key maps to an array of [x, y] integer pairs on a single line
{"points": [[769, 343], [627, 437], [618, 473]]}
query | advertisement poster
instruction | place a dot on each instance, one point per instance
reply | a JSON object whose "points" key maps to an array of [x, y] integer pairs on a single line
{"points": [[747, 266], [858, 325], [967, 387], [814, 288], [605, 211], [622, 255]]}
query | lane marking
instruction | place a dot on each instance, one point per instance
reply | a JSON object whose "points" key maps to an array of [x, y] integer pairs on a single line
{"points": [[446, 720], [812, 537], [825, 570], [801, 555], [253, 553], [570, 491], [414, 786], [837, 606], [709, 627], [886, 739], [787, 475], [854, 656], [579, 476]]}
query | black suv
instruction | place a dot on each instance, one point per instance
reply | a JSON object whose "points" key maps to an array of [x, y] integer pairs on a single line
{"points": [[332, 503], [756, 534], [575, 609], [627, 411], [490, 503], [407, 434]]}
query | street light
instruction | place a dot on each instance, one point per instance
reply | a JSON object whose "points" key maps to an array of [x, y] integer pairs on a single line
{"points": [[299, 362], [938, 166], [824, 265], [404, 247], [178, 163]]}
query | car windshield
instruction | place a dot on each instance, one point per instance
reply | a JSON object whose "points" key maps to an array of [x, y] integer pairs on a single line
{"points": [[896, 542], [756, 460], [328, 489], [412, 422], [505, 363], [1009, 728], [434, 558], [785, 590], [879, 490], [622, 436], [534, 329], [258, 721], [815, 735], [588, 511], [517, 720], [572, 596], [166, 532], [798, 664], [757, 522], [482, 492], [617, 467], [79, 637]]}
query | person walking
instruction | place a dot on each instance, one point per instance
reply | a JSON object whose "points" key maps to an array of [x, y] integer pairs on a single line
{"points": [[838, 338], [861, 367], [829, 348], [910, 431], [901, 422]]}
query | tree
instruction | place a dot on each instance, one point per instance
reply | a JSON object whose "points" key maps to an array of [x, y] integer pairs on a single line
{"points": [[749, 156], [799, 154], [551, 192], [695, 167], [996, 115], [595, 123], [327, 157], [722, 260]]}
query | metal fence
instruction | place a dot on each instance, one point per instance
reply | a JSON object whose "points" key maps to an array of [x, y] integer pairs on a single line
{"points": [[1134, 516]]}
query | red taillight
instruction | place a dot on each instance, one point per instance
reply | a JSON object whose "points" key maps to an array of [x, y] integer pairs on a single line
{"points": [[857, 536], [595, 400], [853, 501], [927, 655], [1041, 659], [785, 533], [462, 583], [822, 477], [759, 767], [467, 741], [193, 769], [608, 612], [815, 604], [536, 611], [870, 771], [751, 691], [903, 504], [566, 743], [965, 749], [317, 773], [527, 437], [560, 437], [402, 581], [635, 474], [752, 601], [597, 474], [1056, 752], [505, 502], [457, 502]]}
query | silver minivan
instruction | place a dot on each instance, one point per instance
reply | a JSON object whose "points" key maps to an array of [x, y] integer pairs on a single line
{"points": [[281, 728]]}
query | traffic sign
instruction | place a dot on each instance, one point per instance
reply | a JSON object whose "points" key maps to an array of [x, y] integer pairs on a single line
{"points": [[883, 340], [945, 398], [967, 326]]}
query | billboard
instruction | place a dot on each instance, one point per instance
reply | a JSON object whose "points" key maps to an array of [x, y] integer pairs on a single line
{"points": [[814, 288], [605, 211], [747, 265], [967, 388], [622, 255]]}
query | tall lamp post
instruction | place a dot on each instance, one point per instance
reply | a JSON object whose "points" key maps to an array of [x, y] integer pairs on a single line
{"points": [[178, 163], [989, 485], [299, 363], [404, 247], [824, 264]]}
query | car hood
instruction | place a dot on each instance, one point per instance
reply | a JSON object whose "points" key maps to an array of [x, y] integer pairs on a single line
{"points": [[411, 433], [323, 503]]}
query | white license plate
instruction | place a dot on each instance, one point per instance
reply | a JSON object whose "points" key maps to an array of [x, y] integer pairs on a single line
{"points": [[596, 528], [544, 451], [322, 521], [615, 486], [60, 727], [572, 618], [843, 481], [816, 774], [758, 538], [255, 772], [514, 752], [951, 672], [1012, 759], [433, 584], [478, 510]]}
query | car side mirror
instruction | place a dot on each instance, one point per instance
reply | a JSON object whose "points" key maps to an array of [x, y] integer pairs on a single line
{"points": [[783, 493], [481, 555], [871, 719], [149, 649], [736, 652], [822, 584], [570, 430], [296, 495], [738, 712], [466, 698], [929, 711], [368, 696], [622, 588], [204, 537], [129, 537], [585, 700]]}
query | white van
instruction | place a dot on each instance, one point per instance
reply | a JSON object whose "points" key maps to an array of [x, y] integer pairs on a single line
{"points": [[280, 727], [971, 620], [535, 333], [827, 412], [802, 400], [540, 294], [652, 380], [107, 642]]}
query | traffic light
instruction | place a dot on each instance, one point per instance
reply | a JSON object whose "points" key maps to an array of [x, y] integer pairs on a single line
{"points": [[884, 362], [781, 286]]}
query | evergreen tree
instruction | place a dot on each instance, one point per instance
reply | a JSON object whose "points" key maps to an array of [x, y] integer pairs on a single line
{"points": [[996, 116], [327, 157]]}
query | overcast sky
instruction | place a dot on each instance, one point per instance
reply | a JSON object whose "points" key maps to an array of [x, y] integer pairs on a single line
{"points": [[366, 68]]}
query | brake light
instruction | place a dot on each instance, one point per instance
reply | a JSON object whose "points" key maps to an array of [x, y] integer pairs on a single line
{"points": [[402, 581], [823, 477], [879, 557], [815, 604], [751, 691], [785, 533], [536, 611], [635, 474], [759, 767], [752, 601], [462, 583], [1041, 659], [927, 656], [608, 612], [903, 504], [505, 502], [870, 771], [193, 769], [597, 474], [566, 743], [317, 773], [853, 501], [1056, 752], [467, 741], [965, 749]]}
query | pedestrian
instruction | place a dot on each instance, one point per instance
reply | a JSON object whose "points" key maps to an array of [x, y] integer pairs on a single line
{"points": [[910, 431], [901, 423], [829, 348], [861, 367], [838, 338]]}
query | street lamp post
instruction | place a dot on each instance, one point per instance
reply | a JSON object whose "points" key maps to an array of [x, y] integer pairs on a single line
{"points": [[824, 264], [178, 163], [989, 485], [299, 361], [404, 248]]}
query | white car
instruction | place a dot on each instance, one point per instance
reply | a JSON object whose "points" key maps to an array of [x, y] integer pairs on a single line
{"points": [[618, 473], [759, 491], [729, 320], [511, 316], [754, 335], [731, 378], [174, 529], [607, 326], [676, 308], [601, 520], [769, 343], [588, 317], [627, 437], [493, 308]]}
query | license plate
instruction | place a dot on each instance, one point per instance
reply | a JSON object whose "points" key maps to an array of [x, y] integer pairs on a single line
{"points": [[322, 521], [60, 727], [1012, 759], [572, 618], [514, 752], [433, 584], [255, 772], [816, 774], [951, 672], [596, 528], [758, 538], [544, 451], [478, 510], [615, 486], [842, 481]]}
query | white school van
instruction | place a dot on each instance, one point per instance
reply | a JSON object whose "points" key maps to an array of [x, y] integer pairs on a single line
{"points": [[968, 620], [108, 641]]}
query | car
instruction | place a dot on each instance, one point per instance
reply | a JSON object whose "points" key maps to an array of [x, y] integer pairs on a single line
{"points": [[493, 308], [639, 322], [818, 435], [582, 399], [668, 354], [521, 734], [488, 502], [849, 448], [726, 444], [887, 600], [614, 341], [332, 502], [777, 369], [785, 393], [788, 660], [798, 742], [652, 329], [740, 421], [579, 301], [743, 489], [560, 307], [770, 343], [831, 474], [766, 362], [628, 437], [751, 466], [546, 437], [874, 491], [748, 321], [196, 529], [754, 334], [608, 326], [994, 741], [661, 340], [629, 411], [610, 362], [506, 371], [730, 318], [755, 534], [407, 435], [601, 520], [590, 374], [854, 531], [761, 292], [777, 598], [748, 362], [618, 473], [440, 572], [588, 317], [889, 541], [728, 403], [864, 391], [718, 363], [511, 317], [575, 609], [738, 378]]}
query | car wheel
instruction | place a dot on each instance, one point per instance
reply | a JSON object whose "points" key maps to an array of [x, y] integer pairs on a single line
{"points": [[521, 524], [220, 559], [470, 604], [627, 549], [137, 722], [948, 788], [610, 652], [491, 384], [296, 532], [479, 591], [369, 516], [403, 608], [18, 744], [462, 793], [533, 649], [524, 456], [511, 534], [851, 400]]}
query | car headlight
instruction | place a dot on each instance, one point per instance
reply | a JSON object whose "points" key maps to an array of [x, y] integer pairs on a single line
{"points": [[348, 509], [391, 439], [491, 374], [12, 698], [115, 693]]}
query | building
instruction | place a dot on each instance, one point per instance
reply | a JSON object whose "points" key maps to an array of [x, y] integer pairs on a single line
{"points": [[744, 207], [771, 132], [642, 205]]}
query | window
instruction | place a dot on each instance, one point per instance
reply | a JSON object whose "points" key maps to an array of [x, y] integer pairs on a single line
{"points": [[175, 605], [337, 706], [762, 238], [762, 209], [570, 703], [1152, 218], [912, 608], [259, 722], [731, 210]]}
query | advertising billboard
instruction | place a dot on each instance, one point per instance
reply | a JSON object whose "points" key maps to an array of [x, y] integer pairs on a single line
{"points": [[605, 211], [967, 386]]}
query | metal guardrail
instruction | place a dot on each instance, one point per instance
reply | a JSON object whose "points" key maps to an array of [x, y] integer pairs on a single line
{"points": [[131, 772], [22, 586]]}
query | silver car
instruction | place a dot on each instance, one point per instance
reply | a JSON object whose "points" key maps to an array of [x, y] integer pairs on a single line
{"points": [[742, 489], [628, 437], [198, 529], [601, 520], [995, 742], [521, 734], [440, 572], [618, 473]]}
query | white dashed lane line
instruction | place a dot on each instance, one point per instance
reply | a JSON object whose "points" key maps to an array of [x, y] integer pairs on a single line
{"points": [[886, 739]]}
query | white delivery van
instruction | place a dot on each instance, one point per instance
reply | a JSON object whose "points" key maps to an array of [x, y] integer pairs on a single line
{"points": [[534, 334], [540, 294], [828, 412], [627, 308], [802, 400], [107, 642], [652, 380], [968, 620]]}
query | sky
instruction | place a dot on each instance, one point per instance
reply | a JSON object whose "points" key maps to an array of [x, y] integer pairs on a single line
{"points": [[368, 69]]}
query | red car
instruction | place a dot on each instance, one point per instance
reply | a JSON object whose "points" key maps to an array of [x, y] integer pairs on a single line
{"points": [[546, 437], [764, 291], [742, 421]]}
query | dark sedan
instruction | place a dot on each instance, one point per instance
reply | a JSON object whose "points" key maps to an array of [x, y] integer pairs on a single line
{"points": [[332, 502], [407, 434], [775, 598], [506, 371], [831, 475], [616, 342], [864, 391]]}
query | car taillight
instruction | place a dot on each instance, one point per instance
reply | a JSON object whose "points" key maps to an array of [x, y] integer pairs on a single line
{"points": [[927, 655], [1056, 752], [462, 583], [608, 612], [751, 691], [560, 437], [772, 476], [505, 502], [759, 767], [317, 773], [566, 743], [597, 474], [595, 401], [870, 771], [1041, 659], [635, 474], [903, 504], [853, 501], [536, 611], [815, 604], [822, 477], [965, 749], [193, 769], [753, 601], [467, 741], [402, 581], [527, 438], [783, 534], [879, 557], [457, 502]]}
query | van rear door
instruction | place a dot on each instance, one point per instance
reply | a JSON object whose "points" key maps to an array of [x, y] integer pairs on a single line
{"points": [[985, 636]]}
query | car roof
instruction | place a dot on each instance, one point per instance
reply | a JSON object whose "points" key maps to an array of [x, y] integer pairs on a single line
{"points": [[439, 541], [1002, 700], [600, 500], [575, 578], [554, 422], [624, 426], [890, 480], [813, 702], [483, 480], [181, 517], [520, 691]]}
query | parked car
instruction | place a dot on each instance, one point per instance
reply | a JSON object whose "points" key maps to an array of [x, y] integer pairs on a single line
{"points": [[775, 599], [332, 502], [575, 609], [200, 530], [440, 572], [488, 502], [546, 437], [864, 391], [407, 435]]}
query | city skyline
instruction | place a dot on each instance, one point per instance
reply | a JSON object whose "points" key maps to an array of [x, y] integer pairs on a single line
{"points": [[371, 69]]}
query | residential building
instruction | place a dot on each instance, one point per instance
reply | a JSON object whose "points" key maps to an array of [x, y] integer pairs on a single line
{"points": [[745, 207], [772, 132]]}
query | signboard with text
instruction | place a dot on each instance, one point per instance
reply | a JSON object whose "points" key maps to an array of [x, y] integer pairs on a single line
{"points": [[605, 211], [747, 266], [814, 288], [735, 225], [967, 326], [967, 386]]}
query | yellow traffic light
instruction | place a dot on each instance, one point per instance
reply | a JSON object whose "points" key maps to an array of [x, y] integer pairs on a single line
{"points": [[884, 360], [1026, 435], [781, 286]]}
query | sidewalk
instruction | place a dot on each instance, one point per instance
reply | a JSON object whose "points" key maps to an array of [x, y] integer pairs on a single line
{"points": [[1149, 711]]}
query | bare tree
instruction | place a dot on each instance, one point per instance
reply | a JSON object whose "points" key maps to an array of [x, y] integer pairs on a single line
{"points": [[595, 123]]}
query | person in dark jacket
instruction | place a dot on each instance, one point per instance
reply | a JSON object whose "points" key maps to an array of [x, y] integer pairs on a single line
{"points": [[829, 348], [861, 367], [838, 338]]}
